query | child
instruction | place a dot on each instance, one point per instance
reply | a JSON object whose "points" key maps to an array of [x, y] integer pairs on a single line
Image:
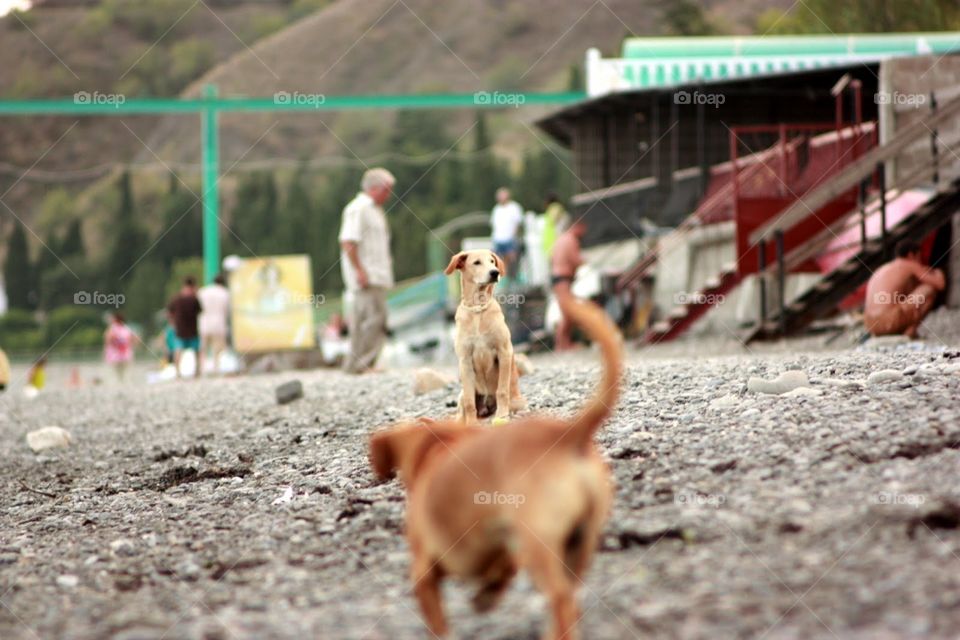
{"points": [[118, 344], [37, 375]]}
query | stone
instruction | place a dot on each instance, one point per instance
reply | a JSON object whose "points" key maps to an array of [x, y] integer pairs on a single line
{"points": [[786, 381], [802, 392], [49, 438], [123, 547], [426, 380], [725, 402], [289, 391], [882, 376], [68, 581], [840, 382]]}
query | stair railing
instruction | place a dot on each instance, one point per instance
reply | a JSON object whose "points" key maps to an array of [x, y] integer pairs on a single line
{"points": [[858, 174]]}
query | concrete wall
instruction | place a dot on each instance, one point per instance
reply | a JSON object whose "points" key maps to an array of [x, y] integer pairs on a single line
{"points": [[686, 265]]}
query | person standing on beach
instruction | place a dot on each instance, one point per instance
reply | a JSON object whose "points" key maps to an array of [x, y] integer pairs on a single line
{"points": [[215, 300], [564, 262], [505, 222], [185, 309], [367, 268], [118, 345]]}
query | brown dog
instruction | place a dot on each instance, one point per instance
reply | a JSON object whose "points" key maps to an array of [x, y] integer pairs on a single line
{"points": [[488, 371], [483, 502]]}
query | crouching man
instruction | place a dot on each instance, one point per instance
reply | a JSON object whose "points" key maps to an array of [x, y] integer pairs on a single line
{"points": [[901, 293]]}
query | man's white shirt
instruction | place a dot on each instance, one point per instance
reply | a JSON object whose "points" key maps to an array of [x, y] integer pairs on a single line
{"points": [[365, 224]]}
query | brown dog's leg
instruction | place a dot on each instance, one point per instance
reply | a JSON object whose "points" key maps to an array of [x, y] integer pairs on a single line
{"points": [[517, 401], [496, 578], [468, 393], [426, 577], [504, 371], [547, 570]]}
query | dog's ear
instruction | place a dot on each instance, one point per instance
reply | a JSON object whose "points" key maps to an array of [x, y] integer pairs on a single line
{"points": [[382, 457], [500, 264], [456, 262]]}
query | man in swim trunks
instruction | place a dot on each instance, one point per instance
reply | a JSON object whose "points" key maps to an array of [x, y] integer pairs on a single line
{"points": [[564, 263]]}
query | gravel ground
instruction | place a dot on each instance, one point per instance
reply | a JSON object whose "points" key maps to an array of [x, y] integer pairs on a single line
{"points": [[205, 510]]}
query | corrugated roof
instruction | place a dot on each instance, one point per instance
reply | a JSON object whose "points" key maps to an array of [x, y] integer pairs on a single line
{"points": [[666, 62]]}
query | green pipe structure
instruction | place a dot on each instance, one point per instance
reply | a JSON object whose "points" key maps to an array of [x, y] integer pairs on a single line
{"points": [[210, 105]]}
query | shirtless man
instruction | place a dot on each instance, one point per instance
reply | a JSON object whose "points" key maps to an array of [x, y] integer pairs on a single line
{"points": [[564, 263], [901, 293]]}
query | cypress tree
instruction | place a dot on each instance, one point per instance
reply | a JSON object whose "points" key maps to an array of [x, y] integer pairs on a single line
{"points": [[18, 275]]}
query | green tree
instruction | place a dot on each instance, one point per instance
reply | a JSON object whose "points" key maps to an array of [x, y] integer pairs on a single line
{"points": [[18, 274], [72, 244], [575, 78], [129, 239], [181, 230], [686, 18], [827, 16], [147, 292], [253, 216], [483, 168]]}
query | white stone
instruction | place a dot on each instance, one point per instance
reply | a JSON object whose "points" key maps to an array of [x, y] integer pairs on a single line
{"points": [[48, 438], [802, 392], [840, 382], [68, 581], [786, 381], [123, 547], [285, 497], [426, 380], [884, 375], [725, 402]]}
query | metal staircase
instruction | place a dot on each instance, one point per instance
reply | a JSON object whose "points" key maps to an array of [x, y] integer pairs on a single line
{"points": [[792, 316], [694, 306], [827, 294]]}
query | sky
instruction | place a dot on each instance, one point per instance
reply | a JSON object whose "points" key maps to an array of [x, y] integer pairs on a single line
{"points": [[7, 5]]}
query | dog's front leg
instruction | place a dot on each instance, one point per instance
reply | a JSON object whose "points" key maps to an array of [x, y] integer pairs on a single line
{"points": [[504, 371], [468, 393], [426, 576]]}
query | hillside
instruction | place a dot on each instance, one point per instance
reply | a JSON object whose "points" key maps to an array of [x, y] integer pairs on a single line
{"points": [[165, 47]]}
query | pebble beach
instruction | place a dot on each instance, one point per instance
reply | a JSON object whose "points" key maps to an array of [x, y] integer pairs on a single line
{"points": [[826, 507]]}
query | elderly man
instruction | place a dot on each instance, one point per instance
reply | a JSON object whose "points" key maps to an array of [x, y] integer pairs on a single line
{"points": [[901, 293], [367, 269]]}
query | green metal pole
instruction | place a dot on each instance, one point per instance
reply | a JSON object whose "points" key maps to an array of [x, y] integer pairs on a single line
{"points": [[211, 192]]}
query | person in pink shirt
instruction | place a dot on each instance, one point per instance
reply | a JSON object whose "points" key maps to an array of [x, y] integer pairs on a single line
{"points": [[118, 345], [564, 263]]}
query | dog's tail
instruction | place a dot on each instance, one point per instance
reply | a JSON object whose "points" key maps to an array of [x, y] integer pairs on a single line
{"points": [[601, 330]]}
